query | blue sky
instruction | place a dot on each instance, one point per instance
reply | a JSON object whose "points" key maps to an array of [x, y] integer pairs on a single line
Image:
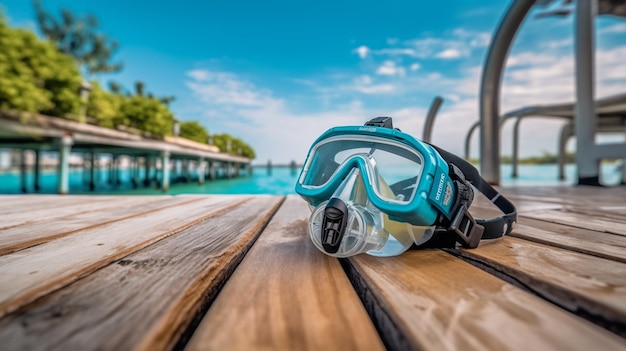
{"points": [[279, 73]]}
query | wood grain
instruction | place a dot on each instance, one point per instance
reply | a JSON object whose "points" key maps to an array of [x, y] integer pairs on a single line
{"points": [[437, 302], [596, 243], [31, 273], [580, 219], [286, 295], [581, 283], [10, 205], [39, 231], [30, 217], [580, 240], [148, 299], [585, 196]]}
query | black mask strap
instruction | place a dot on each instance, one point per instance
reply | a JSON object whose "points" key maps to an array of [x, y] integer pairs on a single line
{"points": [[491, 228]]}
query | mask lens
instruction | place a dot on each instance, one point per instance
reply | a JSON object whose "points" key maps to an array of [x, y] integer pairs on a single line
{"points": [[398, 167]]}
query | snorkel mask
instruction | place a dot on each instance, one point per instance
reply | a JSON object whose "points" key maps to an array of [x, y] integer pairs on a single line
{"points": [[374, 189]]}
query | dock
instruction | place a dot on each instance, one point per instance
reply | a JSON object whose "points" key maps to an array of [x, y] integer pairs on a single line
{"points": [[238, 272], [150, 157]]}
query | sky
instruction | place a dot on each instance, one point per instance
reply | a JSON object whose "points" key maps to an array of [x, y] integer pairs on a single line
{"points": [[277, 74]]}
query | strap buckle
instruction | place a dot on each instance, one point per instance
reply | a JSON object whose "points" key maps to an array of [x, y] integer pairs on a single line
{"points": [[464, 226]]}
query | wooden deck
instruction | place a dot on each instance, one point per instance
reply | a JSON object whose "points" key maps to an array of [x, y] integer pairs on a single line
{"points": [[239, 272]]}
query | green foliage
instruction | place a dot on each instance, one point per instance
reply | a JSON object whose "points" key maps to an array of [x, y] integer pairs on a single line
{"points": [[546, 158], [35, 76], [104, 106], [78, 37], [147, 114], [237, 146], [193, 130]]}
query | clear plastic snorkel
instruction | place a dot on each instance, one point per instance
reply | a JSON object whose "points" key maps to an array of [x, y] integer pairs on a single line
{"points": [[348, 224]]}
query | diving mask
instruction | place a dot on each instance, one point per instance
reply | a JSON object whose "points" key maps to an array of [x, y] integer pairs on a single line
{"points": [[377, 190], [348, 223]]}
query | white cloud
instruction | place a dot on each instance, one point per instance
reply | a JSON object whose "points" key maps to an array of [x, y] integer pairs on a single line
{"points": [[224, 88], [362, 51], [392, 41], [375, 89], [397, 52], [389, 68], [364, 80], [199, 74], [450, 53], [415, 66], [474, 38]]}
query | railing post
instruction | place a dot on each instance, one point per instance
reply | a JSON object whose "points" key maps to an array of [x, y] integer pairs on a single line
{"points": [[585, 118]]}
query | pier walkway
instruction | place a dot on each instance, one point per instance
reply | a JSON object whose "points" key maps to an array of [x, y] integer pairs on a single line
{"points": [[239, 272], [43, 133]]}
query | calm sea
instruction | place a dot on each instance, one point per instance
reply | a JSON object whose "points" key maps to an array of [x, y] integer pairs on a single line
{"points": [[280, 181]]}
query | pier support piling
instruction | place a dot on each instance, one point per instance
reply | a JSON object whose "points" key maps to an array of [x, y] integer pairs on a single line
{"points": [[201, 171], [146, 165], [23, 171], [65, 147], [92, 171], [37, 170], [165, 183]]}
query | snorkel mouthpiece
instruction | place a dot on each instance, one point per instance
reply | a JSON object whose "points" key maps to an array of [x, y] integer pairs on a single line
{"points": [[333, 225]]}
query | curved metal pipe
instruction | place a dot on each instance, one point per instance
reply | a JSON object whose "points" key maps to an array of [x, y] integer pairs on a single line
{"points": [[490, 88], [468, 138], [430, 118], [567, 131]]}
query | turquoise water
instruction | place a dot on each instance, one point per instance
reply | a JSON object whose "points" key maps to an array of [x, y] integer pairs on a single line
{"points": [[280, 181]]}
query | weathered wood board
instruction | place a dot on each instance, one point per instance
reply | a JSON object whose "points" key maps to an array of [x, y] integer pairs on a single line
{"points": [[39, 231], [286, 295], [147, 299], [41, 269], [580, 283], [436, 301]]}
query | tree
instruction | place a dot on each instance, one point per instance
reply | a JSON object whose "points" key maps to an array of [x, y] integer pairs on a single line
{"points": [[237, 146], [104, 106], [193, 130], [147, 114], [78, 37], [35, 76]]}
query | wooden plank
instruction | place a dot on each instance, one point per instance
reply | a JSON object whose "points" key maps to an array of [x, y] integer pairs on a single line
{"points": [[28, 217], [577, 196], [41, 231], [584, 284], [436, 301], [11, 205], [146, 300], [31, 273], [296, 298], [585, 241], [581, 220], [605, 245]]}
